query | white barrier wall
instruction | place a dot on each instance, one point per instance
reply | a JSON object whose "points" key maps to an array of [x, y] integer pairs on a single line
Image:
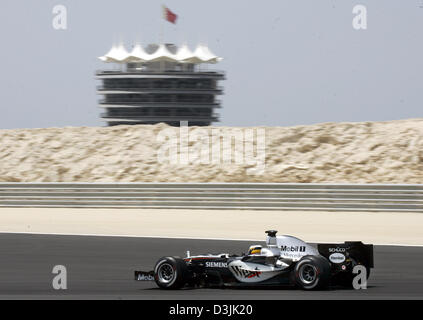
{"points": [[259, 196]]}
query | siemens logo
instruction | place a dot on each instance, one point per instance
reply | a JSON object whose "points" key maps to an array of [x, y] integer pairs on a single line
{"points": [[216, 265], [293, 248]]}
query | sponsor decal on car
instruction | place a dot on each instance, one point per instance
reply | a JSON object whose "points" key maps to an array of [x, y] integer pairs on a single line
{"points": [[254, 274], [292, 256], [144, 276], [245, 273], [337, 257], [210, 264], [338, 249], [293, 248]]}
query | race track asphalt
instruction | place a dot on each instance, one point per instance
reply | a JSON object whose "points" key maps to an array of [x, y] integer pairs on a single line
{"points": [[102, 268]]}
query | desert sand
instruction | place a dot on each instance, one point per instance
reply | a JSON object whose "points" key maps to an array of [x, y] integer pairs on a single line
{"points": [[366, 152]]}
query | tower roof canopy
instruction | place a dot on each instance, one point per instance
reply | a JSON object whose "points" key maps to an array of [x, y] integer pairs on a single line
{"points": [[204, 54], [185, 54], [161, 52], [116, 54], [138, 54]]}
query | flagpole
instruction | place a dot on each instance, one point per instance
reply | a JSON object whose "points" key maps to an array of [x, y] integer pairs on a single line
{"points": [[162, 25]]}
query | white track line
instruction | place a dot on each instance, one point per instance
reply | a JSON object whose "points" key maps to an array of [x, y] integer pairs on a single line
{"points": [[180, 238]]}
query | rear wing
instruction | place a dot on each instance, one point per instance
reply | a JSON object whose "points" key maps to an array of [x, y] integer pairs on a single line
{"points": [[362, 253]]}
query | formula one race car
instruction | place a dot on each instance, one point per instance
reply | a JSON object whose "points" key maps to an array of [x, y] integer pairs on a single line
{"points": [[285, 261]]}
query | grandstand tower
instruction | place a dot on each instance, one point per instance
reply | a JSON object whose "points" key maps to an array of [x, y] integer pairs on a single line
{"points": [[160, 83]]}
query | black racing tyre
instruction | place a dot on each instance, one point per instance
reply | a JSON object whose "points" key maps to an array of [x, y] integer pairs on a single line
{"points": [[312, 273], [170, 273]]}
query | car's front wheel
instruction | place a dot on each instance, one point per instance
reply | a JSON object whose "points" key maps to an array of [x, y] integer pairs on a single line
{"points": [[170, 273], [312, 273]]}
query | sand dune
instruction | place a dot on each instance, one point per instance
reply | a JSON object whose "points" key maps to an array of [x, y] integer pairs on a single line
{"points": [[369, 152]]}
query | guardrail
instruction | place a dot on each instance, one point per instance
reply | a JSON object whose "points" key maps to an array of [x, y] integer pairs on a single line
{"points": [[259, 196]]}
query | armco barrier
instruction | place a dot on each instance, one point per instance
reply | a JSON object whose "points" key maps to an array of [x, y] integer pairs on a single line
{"points": [[259, 196]]}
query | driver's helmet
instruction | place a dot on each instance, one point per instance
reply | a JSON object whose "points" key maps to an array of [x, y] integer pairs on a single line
{"points": [[254, 249]]}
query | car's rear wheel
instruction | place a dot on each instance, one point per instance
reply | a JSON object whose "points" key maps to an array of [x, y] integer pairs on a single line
{"points": [[312, 273], [170, 273]]}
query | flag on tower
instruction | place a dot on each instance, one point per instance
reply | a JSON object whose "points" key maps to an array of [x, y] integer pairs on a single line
{"points": [[169, 15]]}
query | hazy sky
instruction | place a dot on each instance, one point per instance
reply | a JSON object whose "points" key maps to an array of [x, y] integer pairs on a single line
{"points": [[287, 62]]}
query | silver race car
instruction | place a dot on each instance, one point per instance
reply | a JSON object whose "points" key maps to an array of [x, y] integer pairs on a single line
{"points": [[285, 260]]}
